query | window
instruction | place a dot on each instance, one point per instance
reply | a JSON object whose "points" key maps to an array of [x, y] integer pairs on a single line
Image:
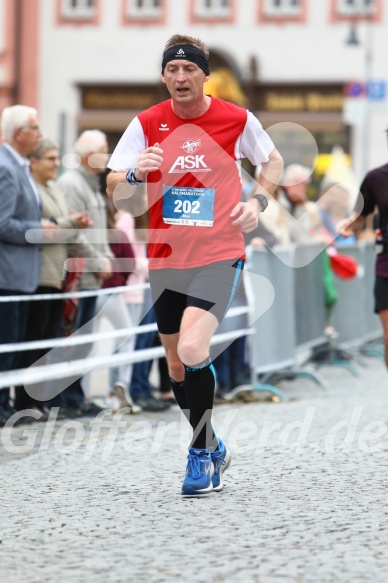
{"points": [[143, 9], [361, 10], [213, 8], [356, 7], [78, 9], [282, 8]]}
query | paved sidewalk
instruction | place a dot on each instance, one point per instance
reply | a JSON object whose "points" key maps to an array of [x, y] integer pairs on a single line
{"points": [[304, 499]]}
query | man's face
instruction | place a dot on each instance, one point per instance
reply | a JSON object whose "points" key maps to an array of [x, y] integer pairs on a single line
{"points": [[184, 80], [297, 193], [27, 137]]}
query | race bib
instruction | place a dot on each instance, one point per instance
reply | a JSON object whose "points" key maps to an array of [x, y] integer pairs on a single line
{"points": [[192, 207]]}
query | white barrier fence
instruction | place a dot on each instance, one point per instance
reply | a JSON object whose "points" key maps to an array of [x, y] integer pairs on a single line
{"points": [[294, 321], [74, 368]]}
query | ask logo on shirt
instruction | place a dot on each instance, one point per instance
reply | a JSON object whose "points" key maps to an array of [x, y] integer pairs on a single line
{"points": [[192, 163]]}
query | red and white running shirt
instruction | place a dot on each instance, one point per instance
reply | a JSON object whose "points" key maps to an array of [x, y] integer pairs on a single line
{"points": [[192, 195]]}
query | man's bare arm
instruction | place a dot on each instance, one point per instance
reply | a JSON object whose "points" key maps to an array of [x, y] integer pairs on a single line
{"points": [[247, 213], [270, 174], [113, 180], [350, 226], [149, 161]]}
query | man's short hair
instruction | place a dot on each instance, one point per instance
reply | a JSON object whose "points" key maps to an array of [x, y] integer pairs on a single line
{"points": [[180, 39], [90, 141], [15, 117]]}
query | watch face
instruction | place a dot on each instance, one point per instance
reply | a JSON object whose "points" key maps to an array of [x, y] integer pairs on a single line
{"points": [[262, 200]]}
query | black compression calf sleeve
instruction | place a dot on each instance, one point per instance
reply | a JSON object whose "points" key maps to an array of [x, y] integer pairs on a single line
{"points": [[199, 389], [178, 388]]}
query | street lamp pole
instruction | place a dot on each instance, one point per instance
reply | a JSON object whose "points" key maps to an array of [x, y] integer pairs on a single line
{"points": [[353, 40], [368, 72]]}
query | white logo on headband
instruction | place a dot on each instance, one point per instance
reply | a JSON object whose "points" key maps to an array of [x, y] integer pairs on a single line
{"points": [[180, 53]]}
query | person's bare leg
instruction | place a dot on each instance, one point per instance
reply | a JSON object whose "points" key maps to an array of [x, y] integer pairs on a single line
{"points": [[197, 329]]}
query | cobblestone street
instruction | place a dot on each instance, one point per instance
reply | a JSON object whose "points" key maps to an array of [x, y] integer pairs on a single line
{"points": [[304, 499]]}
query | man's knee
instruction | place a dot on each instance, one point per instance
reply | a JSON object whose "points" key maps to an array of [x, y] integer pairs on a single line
{"points": [[191, 352]]}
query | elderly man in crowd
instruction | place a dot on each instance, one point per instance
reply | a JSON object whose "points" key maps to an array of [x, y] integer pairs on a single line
{"points": [[295, 219], [81, 187], [20, 211]]}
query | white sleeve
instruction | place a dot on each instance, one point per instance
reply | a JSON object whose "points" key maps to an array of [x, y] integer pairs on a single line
{"points": [[255, 144], [130, 146]]}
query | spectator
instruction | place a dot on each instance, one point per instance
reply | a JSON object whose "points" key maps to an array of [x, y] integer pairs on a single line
{"points": [[140, 387], [293, 198], [20, 211], [292, 218], [45, 316], [132, 219], [81, 187], [141, 310], [372, 195], [114, 307], [295, 219], [333, 205], [133, 222]]}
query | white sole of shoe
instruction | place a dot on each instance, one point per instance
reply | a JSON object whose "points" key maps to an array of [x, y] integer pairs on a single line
{"points": [[198, 493], [224, 467]]}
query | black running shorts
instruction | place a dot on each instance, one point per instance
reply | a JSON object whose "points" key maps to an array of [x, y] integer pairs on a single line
{"points": [[211, 287], [381, 293]]}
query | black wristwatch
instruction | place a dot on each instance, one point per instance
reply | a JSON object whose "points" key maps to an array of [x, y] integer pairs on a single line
{"points": [[263, 202]]}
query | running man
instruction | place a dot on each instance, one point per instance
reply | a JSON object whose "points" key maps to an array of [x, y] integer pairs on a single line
{"points": [[373, 196], [189, 149]]}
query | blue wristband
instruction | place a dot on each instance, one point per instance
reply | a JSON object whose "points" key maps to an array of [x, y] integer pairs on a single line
{"points": [[131, 178]]}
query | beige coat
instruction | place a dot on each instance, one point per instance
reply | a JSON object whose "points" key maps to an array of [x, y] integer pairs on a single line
{"points": [[278, 219], [82, 192], [54, 254]]}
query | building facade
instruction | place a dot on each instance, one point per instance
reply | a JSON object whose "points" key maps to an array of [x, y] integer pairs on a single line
{"points": [[96, 64]]}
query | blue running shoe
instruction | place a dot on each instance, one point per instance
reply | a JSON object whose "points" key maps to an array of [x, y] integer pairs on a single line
{"points": [[199, 472], [221, 459]]}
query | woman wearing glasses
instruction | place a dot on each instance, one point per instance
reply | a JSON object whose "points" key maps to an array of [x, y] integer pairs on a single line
{"points": [[45, 316]]}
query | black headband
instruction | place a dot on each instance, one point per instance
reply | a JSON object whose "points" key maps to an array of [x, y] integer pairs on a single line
{"points": [[186, 53]]}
